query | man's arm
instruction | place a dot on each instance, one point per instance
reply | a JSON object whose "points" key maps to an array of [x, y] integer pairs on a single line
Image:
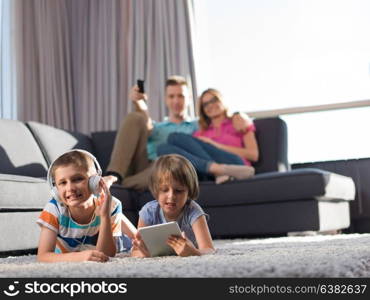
{"points": [[140, 104]]}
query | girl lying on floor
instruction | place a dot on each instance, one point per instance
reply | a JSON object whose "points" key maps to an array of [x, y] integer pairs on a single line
{"points": [[174, 183]]}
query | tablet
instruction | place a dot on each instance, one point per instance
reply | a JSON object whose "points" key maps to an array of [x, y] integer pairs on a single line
{"points": [[155, 238]]}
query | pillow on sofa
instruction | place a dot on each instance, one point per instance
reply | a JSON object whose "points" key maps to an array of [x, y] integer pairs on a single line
{"points": [[19, 152], [53, 141], [272, 138]]}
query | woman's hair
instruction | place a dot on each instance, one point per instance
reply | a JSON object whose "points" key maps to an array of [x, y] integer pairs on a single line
{"points": [[76, 158], [204, 121], [173, 167]]}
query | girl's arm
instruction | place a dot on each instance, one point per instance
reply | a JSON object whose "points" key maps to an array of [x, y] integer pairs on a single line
{"points": [[184, 247], [45, 252], [203, 236]]}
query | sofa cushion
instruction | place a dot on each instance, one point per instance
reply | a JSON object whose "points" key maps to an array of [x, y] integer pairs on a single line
{"points": [[19, 152], [279, 186], [53, 141], [272, 138], [23, 192], [124, 196], [103, 142]]}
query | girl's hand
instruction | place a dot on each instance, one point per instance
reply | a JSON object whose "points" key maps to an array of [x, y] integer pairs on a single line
{"points": [[105, 200], [182, 245], [93, 255], [138, 247], [241, 122]]}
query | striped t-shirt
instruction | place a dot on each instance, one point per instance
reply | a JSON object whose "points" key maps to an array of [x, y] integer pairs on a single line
{"points": [[71, 236]]}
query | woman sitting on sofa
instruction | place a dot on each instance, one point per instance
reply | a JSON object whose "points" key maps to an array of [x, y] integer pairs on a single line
{"points": [[223, 146]]}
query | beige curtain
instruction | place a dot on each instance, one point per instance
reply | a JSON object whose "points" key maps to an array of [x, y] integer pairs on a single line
{"points": [[78, 59], [161, 45], [44, 63]]}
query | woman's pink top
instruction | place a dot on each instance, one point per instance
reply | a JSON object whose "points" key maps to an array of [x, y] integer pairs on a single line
{"points": [[226, 135]]}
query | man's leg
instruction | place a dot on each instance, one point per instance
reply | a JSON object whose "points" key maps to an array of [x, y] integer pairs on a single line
{"points": [[129, 155], [139, 181]]}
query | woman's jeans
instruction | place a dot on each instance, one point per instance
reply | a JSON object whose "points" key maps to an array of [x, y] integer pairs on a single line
{"points": [[199, 153]]}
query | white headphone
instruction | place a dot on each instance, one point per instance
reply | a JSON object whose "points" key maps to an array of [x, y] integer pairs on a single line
{"points": [[93, 180]]}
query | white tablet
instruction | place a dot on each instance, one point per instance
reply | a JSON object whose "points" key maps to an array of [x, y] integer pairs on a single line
{"points": [[155, 238]]}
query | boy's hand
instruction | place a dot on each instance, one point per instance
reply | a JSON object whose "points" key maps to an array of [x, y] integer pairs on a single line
{"points": [[138, 247], [105, 200], [182, 245], [109, 180], [93, 255]]}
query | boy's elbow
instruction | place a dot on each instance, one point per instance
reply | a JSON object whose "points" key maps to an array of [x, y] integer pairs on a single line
{"points": [[40, 258], [206, 251]]}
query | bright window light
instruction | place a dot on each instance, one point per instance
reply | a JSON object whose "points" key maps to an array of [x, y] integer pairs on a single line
{"points": [[274, 54]]}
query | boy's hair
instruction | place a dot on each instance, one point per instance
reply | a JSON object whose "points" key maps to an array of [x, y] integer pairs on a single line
{"points": [[176, 80], [76, 158], [177, 168]]}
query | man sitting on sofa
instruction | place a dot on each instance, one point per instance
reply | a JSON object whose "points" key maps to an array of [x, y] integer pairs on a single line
{"points": [[137, 139]]}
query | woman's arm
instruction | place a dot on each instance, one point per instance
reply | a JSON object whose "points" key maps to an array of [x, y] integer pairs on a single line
{"points": [[249, 151], [45, 252]]}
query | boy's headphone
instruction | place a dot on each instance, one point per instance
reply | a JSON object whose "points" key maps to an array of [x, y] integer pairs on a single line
{"points": [[93, 180]]}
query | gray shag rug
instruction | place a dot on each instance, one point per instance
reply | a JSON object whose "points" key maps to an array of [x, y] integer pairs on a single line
{"points": [[344, 255]]}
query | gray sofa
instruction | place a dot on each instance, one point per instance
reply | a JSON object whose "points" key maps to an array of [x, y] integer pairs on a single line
{"points": [[276, 201]]}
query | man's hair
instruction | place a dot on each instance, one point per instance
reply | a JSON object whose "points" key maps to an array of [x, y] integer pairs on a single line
{"points": [[176, 80], [77, 158], [173, 167]]}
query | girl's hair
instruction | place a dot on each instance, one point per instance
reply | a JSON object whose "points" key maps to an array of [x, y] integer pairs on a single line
{"points": [[76, 158], [204, 121], [173, 167]]}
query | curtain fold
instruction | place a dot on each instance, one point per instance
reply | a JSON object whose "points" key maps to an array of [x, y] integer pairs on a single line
{"points": [[162, 45], [77, 60], [8, 100]]}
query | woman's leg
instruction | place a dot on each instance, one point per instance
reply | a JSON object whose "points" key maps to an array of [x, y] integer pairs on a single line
{"points": [[189, 144], [200, 164], [220, 162], [206, 151]]}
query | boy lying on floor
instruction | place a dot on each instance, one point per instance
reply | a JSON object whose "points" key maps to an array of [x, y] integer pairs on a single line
{"points": [[82, 222]]}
